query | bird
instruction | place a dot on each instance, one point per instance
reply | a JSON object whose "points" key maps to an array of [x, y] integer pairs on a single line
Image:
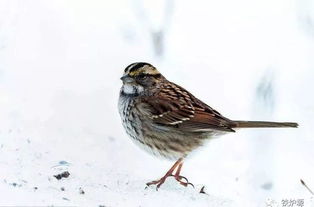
{"points": [[167, 121]]}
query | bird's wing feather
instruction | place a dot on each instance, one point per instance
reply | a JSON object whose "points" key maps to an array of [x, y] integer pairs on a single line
{"points": [[174, 107]]}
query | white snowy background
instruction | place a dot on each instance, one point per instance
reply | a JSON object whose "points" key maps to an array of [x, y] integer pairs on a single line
{"points": [[60, 63]]}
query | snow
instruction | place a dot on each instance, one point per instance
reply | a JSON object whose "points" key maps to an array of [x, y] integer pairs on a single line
{"points": [[29, 167], [59, 84]]}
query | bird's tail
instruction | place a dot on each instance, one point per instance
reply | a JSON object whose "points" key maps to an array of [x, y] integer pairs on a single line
{"points": [[263, 124]]}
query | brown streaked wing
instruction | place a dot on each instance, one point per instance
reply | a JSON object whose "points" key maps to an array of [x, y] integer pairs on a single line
{"points": [[173, 106]]}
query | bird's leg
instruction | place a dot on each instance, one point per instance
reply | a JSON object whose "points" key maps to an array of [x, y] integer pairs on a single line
{"points": [[169, 173], [177, 166], [179, 177]]}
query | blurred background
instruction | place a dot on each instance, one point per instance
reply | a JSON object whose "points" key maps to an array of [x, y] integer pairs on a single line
{"points": [[60, 64]]}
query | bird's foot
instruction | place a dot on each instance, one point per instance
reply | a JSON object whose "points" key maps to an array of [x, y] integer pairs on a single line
{"points": [[178, 178], [158, 183]]}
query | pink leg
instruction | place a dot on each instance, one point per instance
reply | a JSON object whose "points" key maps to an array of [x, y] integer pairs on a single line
{"points": [[179, 177], [177, 165]]}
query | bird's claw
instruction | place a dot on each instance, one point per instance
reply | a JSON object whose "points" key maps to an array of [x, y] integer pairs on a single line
{"points": [[179, 177], [161, 181]]}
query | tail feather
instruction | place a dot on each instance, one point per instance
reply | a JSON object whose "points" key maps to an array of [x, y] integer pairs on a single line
{"points": [[263, 124]]}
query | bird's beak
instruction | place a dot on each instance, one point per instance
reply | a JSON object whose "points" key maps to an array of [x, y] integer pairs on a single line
{"points": [[127, 79]]}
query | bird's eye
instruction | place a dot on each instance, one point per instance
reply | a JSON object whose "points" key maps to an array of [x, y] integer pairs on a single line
{"points": [[142, 76]]}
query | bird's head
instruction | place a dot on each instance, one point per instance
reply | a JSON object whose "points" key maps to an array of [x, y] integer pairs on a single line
{"points": [[139, 77]]}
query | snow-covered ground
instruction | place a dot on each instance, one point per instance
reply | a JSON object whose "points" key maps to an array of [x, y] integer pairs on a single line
{"points": [[60, 63]]}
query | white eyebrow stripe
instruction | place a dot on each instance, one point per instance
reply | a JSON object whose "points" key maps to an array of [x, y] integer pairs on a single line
{"points": [[130, 67]]}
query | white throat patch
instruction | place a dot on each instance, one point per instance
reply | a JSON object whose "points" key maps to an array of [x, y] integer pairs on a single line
{"points": [[132, 88]]}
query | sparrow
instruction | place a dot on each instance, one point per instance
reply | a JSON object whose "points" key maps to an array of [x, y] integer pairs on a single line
{"points": [[167, 121]]}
